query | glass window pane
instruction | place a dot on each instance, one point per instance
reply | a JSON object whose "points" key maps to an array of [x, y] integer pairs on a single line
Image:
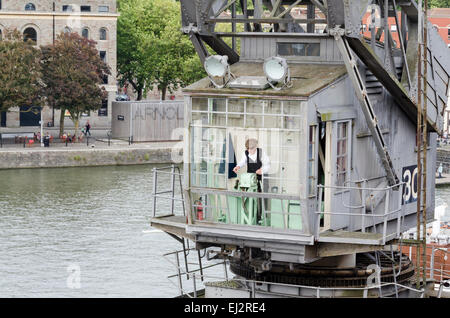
{"points": [[254, 106], [218, 119], [272, 107], [200, 104], [273, 122], [254, 121], [291, 107], [236, 106], [292, 122], [298, 49], [199, 118], [219, 105]]}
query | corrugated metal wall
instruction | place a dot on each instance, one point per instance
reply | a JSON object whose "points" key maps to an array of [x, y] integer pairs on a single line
{"points": [[147, 121]]}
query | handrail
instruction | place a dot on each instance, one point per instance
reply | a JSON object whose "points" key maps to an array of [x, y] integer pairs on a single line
{"points": [[362, 207], [157, 194], [260, 195], [317, 289]]}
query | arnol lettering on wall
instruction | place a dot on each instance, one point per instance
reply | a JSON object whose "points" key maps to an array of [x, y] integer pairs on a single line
{"points": [[147, 120], [156, 112]]}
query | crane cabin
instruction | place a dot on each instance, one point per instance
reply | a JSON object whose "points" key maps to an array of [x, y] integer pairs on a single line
{"points": [[300, 152]]}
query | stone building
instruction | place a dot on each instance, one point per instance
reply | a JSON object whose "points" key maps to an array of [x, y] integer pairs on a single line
{"points": [[42, 21]]}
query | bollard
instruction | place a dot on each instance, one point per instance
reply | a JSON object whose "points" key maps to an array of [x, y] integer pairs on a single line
{"points": [[87, 141], [24, 143]]}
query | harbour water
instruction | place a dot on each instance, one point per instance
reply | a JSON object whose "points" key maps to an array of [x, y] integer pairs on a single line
{"points": [[92, 222]]}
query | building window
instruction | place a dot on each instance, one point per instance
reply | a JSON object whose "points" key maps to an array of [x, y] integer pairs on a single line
{"points": [[102, 34], [105, 79], [103, 111], [1, 34], [85, 33], [103, 56], [67, 30], [298, 49], [103, 9], [342, 153], [448, 33], [30, 7], [85, 8], [67, 8], [30, 34]]}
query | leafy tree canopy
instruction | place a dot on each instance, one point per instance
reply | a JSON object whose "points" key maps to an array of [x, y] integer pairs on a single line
{"points": [[152, 50], [73, 72], [20, 75]]}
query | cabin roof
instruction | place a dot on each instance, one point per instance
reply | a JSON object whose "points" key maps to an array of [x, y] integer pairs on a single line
{"points": [[306, 80]]}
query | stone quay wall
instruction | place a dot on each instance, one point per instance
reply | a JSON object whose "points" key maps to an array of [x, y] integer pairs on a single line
{"points": [[443, 156], [83, 157]]}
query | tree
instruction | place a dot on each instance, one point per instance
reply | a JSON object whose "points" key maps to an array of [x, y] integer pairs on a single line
{"points": [[439, 3], [151, 49], [73, 72], [20, 74]]}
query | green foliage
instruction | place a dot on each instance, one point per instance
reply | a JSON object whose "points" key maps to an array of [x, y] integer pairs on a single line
{"points": [[152, 50], [439, 3], [20, 75]]}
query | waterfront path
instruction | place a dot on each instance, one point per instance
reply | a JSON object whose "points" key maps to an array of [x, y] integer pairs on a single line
{"points": [[97, 153], [445, 180]]}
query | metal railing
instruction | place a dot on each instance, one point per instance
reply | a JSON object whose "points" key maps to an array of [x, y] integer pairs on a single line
{"points": [[180, 273], [362, 208], [442, 272], [254, 289], [221, 212], [174, 172]]}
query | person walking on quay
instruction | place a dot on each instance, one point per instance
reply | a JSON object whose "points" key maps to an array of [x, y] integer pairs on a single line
{"points": [[88, 127], [440, 170]]}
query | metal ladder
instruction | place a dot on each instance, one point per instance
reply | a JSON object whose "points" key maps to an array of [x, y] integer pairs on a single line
{"points": [[366, 105]]}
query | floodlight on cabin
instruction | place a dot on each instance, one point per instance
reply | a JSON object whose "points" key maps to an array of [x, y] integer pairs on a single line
{"points": [[217, 66], [277, 70]]}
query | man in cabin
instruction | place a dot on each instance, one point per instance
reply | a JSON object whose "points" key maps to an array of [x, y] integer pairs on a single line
{"points": [[256, 161]]}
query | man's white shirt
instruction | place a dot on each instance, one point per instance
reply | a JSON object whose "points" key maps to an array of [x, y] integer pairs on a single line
{"points": [[264, 160]]}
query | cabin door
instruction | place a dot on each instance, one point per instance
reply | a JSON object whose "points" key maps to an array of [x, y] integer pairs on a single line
{"points": [[335, 148]]}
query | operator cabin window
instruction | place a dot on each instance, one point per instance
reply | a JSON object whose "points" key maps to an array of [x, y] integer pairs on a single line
{"points": [[298, 49], [342, 162], [30, 7], [219, 128]]}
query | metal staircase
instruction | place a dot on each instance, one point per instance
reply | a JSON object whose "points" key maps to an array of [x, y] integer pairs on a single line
{"points": [[366, 105]]}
